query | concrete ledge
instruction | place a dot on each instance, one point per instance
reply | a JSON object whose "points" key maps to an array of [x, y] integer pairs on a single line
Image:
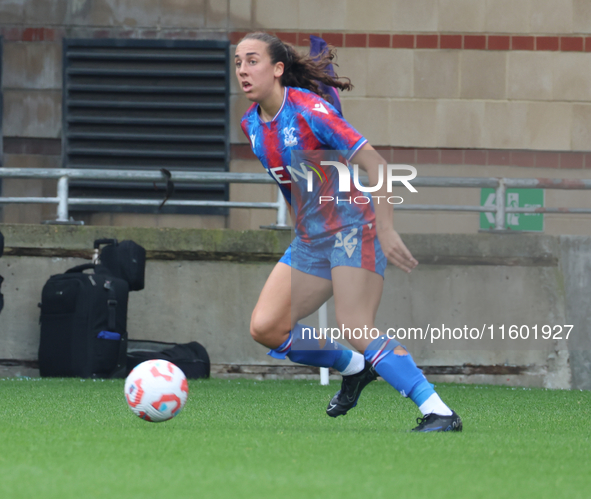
{"points": [[518, 249], [65, 241], [203, 284]]}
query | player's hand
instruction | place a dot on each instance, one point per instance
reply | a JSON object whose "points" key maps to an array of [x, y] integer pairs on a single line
{"points": [[395, 250]]}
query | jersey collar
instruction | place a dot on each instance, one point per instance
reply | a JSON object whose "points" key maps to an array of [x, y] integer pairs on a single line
{"points": [[285, 90]]}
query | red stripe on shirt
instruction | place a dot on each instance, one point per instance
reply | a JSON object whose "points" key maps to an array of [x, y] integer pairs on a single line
{"points": [[368, 250]]}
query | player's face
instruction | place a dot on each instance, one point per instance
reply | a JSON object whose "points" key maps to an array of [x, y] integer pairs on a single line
{"points": [[256, 75]]}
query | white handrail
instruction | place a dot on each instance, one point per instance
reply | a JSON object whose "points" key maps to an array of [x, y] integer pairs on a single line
{"points": [[64, 175]]}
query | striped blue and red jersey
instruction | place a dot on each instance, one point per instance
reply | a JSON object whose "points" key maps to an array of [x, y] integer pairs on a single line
{"points": [[306, 130]]}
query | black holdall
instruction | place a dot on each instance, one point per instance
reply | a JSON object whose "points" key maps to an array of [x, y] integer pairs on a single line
{"points": [[125, 260], [191, 358], [83, 324]]}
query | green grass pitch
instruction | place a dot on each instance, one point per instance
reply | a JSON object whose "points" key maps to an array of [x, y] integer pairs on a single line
{"points": [[271, 439]]}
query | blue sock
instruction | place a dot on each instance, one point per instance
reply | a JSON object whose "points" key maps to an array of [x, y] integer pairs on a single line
{"points": [[421, 392], [303, 348], [398, 370]]}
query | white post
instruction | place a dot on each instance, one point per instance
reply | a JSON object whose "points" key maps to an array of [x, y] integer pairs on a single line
{"points": [[62, 195], [281, 209], [323, 323]]}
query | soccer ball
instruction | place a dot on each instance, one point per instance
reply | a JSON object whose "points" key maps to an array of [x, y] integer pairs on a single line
{"points": [[156, 390]]}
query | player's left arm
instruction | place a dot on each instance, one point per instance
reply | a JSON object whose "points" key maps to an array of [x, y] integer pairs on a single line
{"points": [[329, 126], [370, 160], [333, 130]]}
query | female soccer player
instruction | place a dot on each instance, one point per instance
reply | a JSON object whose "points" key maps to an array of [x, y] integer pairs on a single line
{"points": [[340, 248]]}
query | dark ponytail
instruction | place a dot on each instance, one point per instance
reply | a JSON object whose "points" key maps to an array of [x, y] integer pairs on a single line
{"points": [[299, 70]]}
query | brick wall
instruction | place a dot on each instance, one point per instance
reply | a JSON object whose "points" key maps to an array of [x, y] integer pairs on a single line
{"points": [[458, 87]]}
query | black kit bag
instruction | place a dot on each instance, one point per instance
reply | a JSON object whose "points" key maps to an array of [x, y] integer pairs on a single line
{"points": [[125, 260], [191, 358], [83, 325]]}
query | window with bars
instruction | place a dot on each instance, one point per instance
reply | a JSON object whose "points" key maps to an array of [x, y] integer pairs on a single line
{"points": [[146, 104]]}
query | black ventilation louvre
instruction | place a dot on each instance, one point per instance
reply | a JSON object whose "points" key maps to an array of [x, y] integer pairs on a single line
{"points": [[146, 105]]}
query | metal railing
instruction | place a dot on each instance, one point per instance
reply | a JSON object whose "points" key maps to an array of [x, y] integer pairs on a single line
{"points": [[64, 202]]}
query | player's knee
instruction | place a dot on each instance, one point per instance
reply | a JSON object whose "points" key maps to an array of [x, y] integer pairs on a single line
{"points": [[257, 328], [400, 350], [264, 328]]}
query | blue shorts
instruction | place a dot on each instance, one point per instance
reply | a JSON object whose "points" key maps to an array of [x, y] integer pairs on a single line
{"points": [[352, 247]]}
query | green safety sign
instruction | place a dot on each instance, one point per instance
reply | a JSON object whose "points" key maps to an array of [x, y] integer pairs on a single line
{"points": [[517, 198]]}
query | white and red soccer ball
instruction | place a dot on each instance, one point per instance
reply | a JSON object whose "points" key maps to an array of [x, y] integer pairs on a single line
{"points": [[156, 390]]}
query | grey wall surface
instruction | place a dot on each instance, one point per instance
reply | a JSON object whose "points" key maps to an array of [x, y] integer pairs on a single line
{"points": [[203, 284], [576, 266]]}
